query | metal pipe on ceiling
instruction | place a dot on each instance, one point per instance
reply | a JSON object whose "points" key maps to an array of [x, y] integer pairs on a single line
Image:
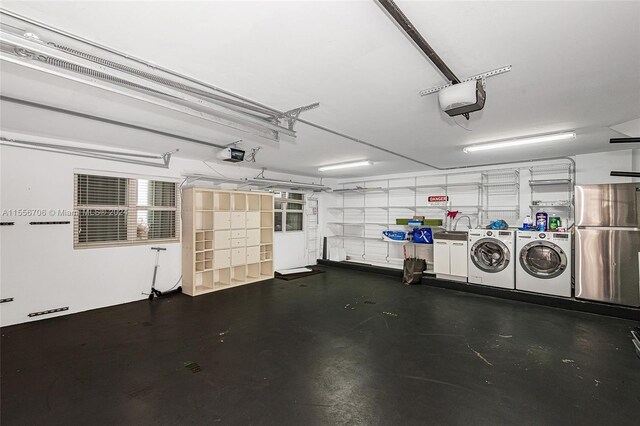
{"points": [[360, 141], [107, 120], [89, 152]]}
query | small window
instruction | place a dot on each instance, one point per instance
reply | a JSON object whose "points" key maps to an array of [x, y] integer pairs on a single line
{"points": [[294, 221], [277, 216], [112, 211], [288, 215], [156, 213]]}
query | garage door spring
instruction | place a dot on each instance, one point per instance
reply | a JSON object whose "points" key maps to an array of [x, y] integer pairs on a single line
{"points": [[25, 53], [118, 66], [92, 73], [149, 76]]}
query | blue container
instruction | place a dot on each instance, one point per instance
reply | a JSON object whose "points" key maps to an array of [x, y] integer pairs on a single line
{"points": [[422, 236], [542, 221]]}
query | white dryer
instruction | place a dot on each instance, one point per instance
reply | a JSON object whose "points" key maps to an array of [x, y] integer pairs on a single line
{"points": [[491, 257], [544, 262]]}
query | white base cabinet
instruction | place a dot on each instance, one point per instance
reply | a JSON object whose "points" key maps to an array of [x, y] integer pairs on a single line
{"points": [[227, 239], [450, 258]]}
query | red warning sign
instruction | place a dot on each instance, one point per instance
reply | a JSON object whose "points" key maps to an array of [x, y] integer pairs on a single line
{"points": [[438, 198]]}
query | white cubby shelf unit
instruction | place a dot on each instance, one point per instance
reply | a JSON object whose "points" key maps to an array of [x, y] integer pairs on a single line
{"points": [[227, 239]]}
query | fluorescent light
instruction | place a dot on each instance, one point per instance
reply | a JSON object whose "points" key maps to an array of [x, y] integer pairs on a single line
{"points": [[286, 183], [566, 136], [345, 166]]}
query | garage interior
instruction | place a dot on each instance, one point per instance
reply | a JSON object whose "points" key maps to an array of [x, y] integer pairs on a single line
{"points": [[320, 212]]}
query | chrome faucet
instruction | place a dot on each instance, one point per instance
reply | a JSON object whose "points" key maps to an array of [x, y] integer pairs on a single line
{"points": [[455, 224]]}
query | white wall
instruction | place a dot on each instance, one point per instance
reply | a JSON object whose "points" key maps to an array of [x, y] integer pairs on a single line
{"points": [[595, 168], [39, 267], [290, 249]]}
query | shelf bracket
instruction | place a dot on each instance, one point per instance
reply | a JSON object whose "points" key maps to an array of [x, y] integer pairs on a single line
{"points": [[483, 76], [291, 116]]}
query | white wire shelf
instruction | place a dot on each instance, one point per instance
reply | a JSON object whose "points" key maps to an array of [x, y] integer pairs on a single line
{"points": [[379, 239], [411, 187], [551, 168], [373, 207], [355, 237], [451, 207], [501, 209], [361, 190], [544, 182], [362, 224]]}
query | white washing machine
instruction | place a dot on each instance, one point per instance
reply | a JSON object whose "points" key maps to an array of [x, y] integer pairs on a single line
{"points": [[491, 257], [544, 262]]}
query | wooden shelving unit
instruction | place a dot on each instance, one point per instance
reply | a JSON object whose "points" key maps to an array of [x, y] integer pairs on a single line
{"points": [[227, 239]]}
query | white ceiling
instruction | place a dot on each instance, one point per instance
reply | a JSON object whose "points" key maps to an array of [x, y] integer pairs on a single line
{"points": [[576, 66]]}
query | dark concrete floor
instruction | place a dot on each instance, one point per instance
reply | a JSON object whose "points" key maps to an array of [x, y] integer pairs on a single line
{"points": [[294, 353]]}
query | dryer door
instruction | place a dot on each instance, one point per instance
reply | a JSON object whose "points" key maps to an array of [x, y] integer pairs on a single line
{"points": [[543, 259], [490, 255]]}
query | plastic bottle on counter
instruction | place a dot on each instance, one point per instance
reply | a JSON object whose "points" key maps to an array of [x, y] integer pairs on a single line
{"points": [[542, 221], [527, 223]]}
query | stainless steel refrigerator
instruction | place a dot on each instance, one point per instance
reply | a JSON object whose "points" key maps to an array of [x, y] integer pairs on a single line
{"points": [[608, 243]]}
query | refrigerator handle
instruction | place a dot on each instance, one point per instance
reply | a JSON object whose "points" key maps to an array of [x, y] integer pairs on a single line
{"points": [[638, 205]]}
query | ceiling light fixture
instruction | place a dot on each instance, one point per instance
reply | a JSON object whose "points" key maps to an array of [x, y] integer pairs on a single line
{"points": [[565, 136], [275, 183], [345, 166]]}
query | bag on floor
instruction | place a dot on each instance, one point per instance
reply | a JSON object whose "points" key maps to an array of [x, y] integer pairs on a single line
{"points": [[413, 269]]}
